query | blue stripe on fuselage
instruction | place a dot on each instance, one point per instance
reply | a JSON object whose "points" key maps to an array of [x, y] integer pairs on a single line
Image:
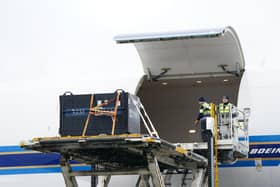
{"points": [[265, 138], [15, 160]]}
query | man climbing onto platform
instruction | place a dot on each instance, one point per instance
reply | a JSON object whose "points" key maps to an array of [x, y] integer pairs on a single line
{"points": [[204, 112]]}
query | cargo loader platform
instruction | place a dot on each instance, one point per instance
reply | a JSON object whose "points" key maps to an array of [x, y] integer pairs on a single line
{"points": [[127, 154]]}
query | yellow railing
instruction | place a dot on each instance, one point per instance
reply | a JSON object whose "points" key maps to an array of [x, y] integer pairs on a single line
{"points": [[216, 170]]}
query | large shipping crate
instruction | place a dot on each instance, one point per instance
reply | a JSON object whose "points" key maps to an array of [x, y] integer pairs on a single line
{"points": [[75, 109]]}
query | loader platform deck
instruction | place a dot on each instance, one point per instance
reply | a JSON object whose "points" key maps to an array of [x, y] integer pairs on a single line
{"points": [[127, 150], [127, 154]]}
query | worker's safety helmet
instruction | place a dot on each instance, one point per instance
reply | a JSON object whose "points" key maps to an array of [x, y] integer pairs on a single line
{"points": [[226, 97], [201, 99]]}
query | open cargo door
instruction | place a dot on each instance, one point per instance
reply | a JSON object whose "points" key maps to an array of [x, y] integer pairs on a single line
{"points": [[180, 67]]}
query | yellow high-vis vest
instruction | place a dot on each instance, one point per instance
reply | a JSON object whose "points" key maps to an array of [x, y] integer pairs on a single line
{"points": [[224, 108], [205, 109]]}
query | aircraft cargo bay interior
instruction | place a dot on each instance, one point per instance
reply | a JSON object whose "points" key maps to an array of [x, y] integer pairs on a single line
{"points": [[172, 104]]}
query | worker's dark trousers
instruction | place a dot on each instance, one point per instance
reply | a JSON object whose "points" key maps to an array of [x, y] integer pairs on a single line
{"points": [[204, 132]]}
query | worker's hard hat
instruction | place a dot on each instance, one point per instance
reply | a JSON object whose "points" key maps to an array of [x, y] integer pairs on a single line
{"points": [[225, 97], [201, 99]]}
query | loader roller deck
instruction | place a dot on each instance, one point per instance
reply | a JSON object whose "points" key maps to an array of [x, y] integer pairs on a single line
{"points": [[119, 151], [127, 154]]}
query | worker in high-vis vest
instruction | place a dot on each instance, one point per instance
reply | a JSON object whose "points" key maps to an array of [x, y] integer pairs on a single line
{"points": [[225, 107], [204, 112], [227, 112]]}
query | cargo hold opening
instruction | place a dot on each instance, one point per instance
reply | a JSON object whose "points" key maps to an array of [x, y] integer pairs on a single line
{"points": [[173, 107], [180, 67]]}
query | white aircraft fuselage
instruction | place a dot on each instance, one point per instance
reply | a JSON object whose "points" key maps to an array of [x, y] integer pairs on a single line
{"points": [[171, 102]]}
